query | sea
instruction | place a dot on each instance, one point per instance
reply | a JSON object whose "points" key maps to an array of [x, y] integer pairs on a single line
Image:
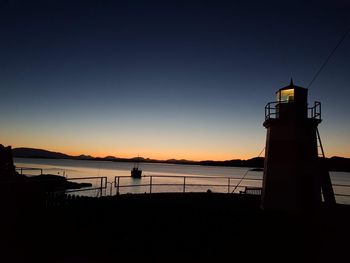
{"points": [[108, 177]]}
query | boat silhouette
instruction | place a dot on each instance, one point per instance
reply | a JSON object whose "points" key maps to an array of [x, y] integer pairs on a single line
{"points": [[135, 171]]}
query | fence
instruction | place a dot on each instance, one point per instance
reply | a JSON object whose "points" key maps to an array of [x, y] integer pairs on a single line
{"points": [[170, 183], [228, 184], [341, 195], [101, 186], [57, 198], [271, 110], [21, 169], [232, 185]]}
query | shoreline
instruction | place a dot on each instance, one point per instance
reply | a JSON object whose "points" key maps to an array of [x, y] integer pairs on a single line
{"points": [[200, 163]]}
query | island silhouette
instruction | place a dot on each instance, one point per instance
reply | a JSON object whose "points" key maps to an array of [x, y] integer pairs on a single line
{"points": [[334, 163]]}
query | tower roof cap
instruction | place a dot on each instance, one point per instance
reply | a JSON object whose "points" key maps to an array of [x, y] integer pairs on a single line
{"points": [[291, 86]]}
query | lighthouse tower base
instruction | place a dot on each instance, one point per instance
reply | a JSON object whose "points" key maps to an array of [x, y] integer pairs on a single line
{"points": [[291, 173]]}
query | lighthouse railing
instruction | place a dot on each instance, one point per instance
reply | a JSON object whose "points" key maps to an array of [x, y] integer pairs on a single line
{"points": [[315, 111], [271, 110]]}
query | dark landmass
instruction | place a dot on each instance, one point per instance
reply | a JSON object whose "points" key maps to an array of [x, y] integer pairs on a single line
{"points": [[334, 163], [173, 227], [339, 164], [253, 162], [43, 183], [44, 154], [52, 183], [38, 153]]}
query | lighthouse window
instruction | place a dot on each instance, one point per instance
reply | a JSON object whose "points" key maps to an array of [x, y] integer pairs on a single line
{"points": [[286, 95]]}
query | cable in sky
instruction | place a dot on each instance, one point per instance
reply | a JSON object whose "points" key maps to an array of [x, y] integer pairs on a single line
{"points": [[328, 58], [245, 174]]}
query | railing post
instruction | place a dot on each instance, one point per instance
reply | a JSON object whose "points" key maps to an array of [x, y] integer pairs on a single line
{"points": [[106, 183], [267, 111], [150, 185], [319, 105], [118, 186], [228, 185], [101, 186], [184, 186]]}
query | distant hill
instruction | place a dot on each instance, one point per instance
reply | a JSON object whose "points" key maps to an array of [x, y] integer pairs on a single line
{"points": [[37, 153], [253, 162], [83, 157], [340, 164], [40, 153], [334, 163]]}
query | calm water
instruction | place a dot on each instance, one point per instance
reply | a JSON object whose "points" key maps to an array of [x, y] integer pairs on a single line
{"points": [[83, 168]]}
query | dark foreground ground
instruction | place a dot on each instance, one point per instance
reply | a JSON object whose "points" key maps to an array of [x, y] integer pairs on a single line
{"points": [[173, 227]]}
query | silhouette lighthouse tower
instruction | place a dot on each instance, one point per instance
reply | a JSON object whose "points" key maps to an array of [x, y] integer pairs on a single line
{"points": [[295, 175]]}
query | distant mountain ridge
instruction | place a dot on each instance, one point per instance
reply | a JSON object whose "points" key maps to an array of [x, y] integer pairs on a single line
{"points": [[334, 163], [37, 153], [24, 152]]}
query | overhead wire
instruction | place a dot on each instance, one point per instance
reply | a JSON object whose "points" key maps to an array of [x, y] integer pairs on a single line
{"points": [[245, 174], [328, 58]]}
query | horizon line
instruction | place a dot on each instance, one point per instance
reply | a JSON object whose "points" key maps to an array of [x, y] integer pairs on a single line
{"points": [[147, 158]]}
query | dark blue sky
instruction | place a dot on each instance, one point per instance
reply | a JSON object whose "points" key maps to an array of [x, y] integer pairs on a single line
{"points": [[166, 78]]}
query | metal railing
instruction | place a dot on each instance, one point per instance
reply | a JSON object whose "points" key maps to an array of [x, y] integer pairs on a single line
{"points": [[315, 111], [21, 169], [101, 186], [183, 184], [62, 197], [271, 110], [341, 194]]}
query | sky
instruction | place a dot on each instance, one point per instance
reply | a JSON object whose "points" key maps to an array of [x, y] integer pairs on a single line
{"points": [[167, 79]]}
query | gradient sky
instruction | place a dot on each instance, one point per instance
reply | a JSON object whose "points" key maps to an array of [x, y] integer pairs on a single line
{"points": [[166, 79]]}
